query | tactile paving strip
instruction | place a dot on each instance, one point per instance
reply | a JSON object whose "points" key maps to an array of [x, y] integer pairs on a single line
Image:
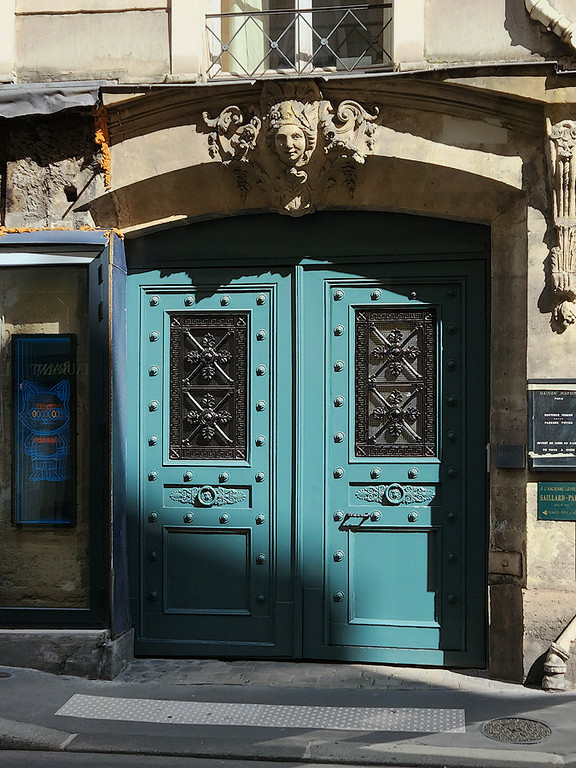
{"points": [[410, 720]]}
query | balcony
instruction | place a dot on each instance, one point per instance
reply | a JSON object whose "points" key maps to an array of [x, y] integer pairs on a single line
{"points": [[343, 38]]}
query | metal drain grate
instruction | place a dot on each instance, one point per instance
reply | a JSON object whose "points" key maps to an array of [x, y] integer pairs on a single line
{"points": [[516, 730]]}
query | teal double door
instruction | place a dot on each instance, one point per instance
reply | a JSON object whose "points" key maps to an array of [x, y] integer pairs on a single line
{"points": [[309, 444]]}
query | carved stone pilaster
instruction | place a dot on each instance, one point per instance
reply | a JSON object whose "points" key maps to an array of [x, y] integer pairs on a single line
{"points": [[294, 147], [562, 137]]}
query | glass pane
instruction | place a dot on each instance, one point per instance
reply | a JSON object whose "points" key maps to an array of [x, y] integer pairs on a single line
{"points": [[351, 36], [395, 382], [208, 383], [283, 32], [45, 565], [245, 36]]}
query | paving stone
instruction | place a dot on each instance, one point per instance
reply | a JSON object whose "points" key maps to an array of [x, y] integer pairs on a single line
{"points": [[304, 675]]}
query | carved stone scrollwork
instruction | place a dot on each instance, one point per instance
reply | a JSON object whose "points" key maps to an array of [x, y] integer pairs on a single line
{"points": [[231, 137], [563, 256], [350, 130], [294, 120]]}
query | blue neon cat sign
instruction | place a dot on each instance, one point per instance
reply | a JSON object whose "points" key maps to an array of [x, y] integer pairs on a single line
{"points": [[45, 372], [46, 414]]}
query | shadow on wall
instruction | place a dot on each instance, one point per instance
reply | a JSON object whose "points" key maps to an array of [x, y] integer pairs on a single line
{"points": [[52, 167], [530, 34]]}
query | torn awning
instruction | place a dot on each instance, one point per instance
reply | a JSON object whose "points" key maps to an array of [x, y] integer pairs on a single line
{"points": [[23, 99]]}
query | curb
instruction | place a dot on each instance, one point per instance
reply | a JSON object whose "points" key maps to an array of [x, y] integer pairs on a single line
{"points": [[27, 736], [319, 752]]}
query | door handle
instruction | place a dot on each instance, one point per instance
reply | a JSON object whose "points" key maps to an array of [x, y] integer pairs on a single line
{"points": [[374, 516]]}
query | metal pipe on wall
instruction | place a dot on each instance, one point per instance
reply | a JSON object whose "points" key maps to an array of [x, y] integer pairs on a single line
{"points": [[555, 21]]}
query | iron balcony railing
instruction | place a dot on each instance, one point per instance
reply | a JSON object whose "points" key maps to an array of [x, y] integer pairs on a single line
{"points": [[342, 38]]}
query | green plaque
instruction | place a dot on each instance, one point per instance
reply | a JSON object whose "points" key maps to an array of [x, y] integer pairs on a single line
{"points": [[556, 501]]}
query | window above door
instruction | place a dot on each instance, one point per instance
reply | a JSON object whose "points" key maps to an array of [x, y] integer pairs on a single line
{"points": [[247, 39], [250, 38]]}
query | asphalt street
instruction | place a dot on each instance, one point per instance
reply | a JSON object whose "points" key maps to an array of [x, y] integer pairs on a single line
{"points": [[213, 713]]}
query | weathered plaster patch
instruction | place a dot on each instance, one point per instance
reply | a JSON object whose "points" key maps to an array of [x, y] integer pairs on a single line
{"points": [[102, 138]]}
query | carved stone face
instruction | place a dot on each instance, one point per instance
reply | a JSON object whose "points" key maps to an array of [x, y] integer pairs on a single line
{"points": [[290, 143]]}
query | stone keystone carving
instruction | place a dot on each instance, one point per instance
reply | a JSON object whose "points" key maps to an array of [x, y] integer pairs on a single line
{"points": [[296, 147], [563, 256]]}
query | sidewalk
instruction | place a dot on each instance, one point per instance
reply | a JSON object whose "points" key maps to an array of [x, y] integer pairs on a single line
{"points": [[347, 714]]}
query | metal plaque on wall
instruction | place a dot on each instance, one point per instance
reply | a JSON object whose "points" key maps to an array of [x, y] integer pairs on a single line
{"points": [[552, 432], [44, 429], [556, 501]]}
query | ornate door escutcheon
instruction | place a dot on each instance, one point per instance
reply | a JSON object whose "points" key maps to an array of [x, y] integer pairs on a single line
{"points": [[208, 496], [396, 494]]}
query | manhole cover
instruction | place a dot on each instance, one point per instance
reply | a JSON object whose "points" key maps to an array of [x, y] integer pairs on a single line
{"points": [[516, 730]]}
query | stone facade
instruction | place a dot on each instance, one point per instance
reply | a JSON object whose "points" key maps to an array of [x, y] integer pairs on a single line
{"points": [[472, 122]]}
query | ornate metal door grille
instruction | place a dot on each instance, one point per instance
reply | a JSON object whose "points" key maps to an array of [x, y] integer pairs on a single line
{"points": [[208, 385], [395, 382]]}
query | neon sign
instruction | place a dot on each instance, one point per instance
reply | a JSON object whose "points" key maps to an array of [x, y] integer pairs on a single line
{"points": [[44, 391]]}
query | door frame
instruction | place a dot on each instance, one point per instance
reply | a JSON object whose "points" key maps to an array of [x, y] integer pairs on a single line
{"points": [[269, 241]]}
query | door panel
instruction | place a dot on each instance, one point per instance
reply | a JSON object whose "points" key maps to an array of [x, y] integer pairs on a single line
{"points": [[206, 571], [215, 423], [377, 560], [399, 424]]}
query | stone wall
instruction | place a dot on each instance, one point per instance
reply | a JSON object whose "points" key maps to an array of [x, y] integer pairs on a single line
{"points": [[91, 40], [52, 167], [489, 31]]}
